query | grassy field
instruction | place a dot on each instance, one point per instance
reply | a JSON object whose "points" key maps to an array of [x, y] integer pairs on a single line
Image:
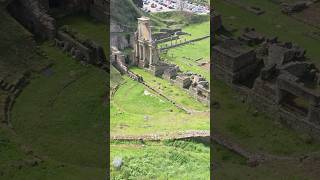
{"points": [[189, 57], [271, 23], [115, 77], [176, 19], [230, 166], [198, 29], [124, 12], [49, 119], [58, 104], [253, 130], [170, 90], [32, 137], [18, 53], [260, 133], [161, 160], [257, 133], [136, 110], [195, 30], [89, 27]]}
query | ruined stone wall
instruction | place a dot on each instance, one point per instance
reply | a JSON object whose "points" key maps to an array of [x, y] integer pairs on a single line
{"points": [[216, 22], [221, 74], [264, 98], [232, 60], [158, 70], [299, 123], [86, 51], [222, 61], [12, 87], [262, 104], [298, 90], [183, 43], [183, 82], [204, 98], [265, 89], [314, 115], [121, 41], [34, 16], [229, 77], [244, 60], [98, 10], [66, 43]]}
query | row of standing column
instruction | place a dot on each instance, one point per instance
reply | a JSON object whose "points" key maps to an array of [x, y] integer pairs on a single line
{"points": [[141, 52]]}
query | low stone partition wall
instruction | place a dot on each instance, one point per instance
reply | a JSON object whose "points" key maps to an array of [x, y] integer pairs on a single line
{"points": [[3, 107], [298, 123], [168, 99], [135, 76], [167, 39], [76, 49], [280, 113], [183, 43], [252, 9], [165, 136], [13, 91], [223, 141], [140, 79], [80, 49], [13, 86]]}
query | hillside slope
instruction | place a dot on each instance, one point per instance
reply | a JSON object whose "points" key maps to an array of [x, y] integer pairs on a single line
{"points": [[57, 124], [124, 12]]}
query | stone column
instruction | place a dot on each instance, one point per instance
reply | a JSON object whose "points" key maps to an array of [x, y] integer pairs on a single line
{"points": [[140, 51], [143, 53], [137, 50], [150, 55]]}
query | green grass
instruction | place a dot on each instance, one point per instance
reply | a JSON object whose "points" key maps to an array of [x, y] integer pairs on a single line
{"points": [[62, 118], [198, 30], [124, 12], [256, 133], [230, 166], [18, 52], [127, 117], [186, 57], [130, 106], [172, 91], [89, 27], [271, 23], [161, 160], [235, 119], [115, 77], [178, 19]]}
